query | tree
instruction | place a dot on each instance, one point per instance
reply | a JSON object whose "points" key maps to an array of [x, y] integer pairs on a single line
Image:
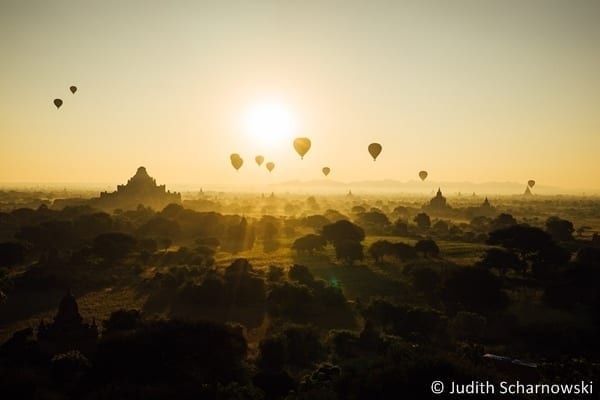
{"points": [[309, 243], [159, 226], [481, 223], [400, 227], [427, 247], [122, 320], [301, 274], [381, 248], [502, 260], [113, 246], [349, 251], [533, 245], [561, 230], [474, 289], [404, 251], [315, 221], [441, 227], [503, 221], [373, 220], [11, 254], [425, 280], [423, 221], [343, 230]]}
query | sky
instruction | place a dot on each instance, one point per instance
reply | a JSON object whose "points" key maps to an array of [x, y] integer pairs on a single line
{"points": [[473, 91]]}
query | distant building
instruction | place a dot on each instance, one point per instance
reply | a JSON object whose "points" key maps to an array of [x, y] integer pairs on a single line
{"points": [[140, 189], [437, 203], [484, 210], [68, 331], [527, 191]]}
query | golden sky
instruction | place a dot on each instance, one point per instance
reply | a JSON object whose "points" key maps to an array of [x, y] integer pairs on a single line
{"points": [[467, 90]]}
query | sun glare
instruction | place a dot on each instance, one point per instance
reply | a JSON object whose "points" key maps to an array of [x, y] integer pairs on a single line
{"points": [[269, 124]]}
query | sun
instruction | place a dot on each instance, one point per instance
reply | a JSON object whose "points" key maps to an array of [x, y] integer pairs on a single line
{"points": [[269, 124]]}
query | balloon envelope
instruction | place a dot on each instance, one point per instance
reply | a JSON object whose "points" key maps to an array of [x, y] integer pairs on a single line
{"points": [[374, 150], [236, 161], [326, 171], [259, 160], [58, 103], [234, 156], [73, 89], [270, 166], [531, 183], [422, 175], [302, 145]]}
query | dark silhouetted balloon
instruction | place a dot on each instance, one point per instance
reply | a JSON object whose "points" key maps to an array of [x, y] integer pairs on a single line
{"points": [[375, 150], [422, 175], [270, 166], [236, 161], [73, 89], [326, 171], [531, 183], [259, 160], [302, 145], [58, 103]]}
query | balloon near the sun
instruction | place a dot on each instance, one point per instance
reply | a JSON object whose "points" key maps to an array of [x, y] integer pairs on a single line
{"points": [[269, 124]]}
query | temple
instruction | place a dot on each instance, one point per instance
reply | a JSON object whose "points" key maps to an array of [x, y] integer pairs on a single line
{"points": [[486, 209], [437, 204], [68, 331], [140, 189]]}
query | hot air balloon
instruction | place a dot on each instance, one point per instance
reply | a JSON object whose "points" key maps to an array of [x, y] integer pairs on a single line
{"points": [[422, 175], [58, 103], [302, 145], [326, 171], [259, 160], [73, 89], [375, 150], [531, 183], [236, 161], [270, 166]]}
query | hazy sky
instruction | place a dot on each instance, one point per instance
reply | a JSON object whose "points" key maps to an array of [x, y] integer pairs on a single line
{"points": [[468, 90]]}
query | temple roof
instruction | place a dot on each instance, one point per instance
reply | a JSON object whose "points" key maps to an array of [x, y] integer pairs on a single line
{"points": [[68, 311]]}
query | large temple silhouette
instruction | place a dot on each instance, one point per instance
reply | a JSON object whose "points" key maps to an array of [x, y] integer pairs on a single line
{"points": [[140, 189], [437, 204], [67, 331]]}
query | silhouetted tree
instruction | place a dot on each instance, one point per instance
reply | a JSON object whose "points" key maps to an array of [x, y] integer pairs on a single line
{"points": [[425, 280], [401, 228], [381, 248], [373, 221], [349, 251], [533, 245], [343, 230], [474, 289], [309, 243], [404, 251], [440, 227], [113, 246], [560, 229], [503, 221], [11, 254], [172, 352], [315, 221], [468, 325], [588, 256], [160, 227], [481, 224], [423, 221], [427, 247], [122, 321], [502, 260], [301, 274]]}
